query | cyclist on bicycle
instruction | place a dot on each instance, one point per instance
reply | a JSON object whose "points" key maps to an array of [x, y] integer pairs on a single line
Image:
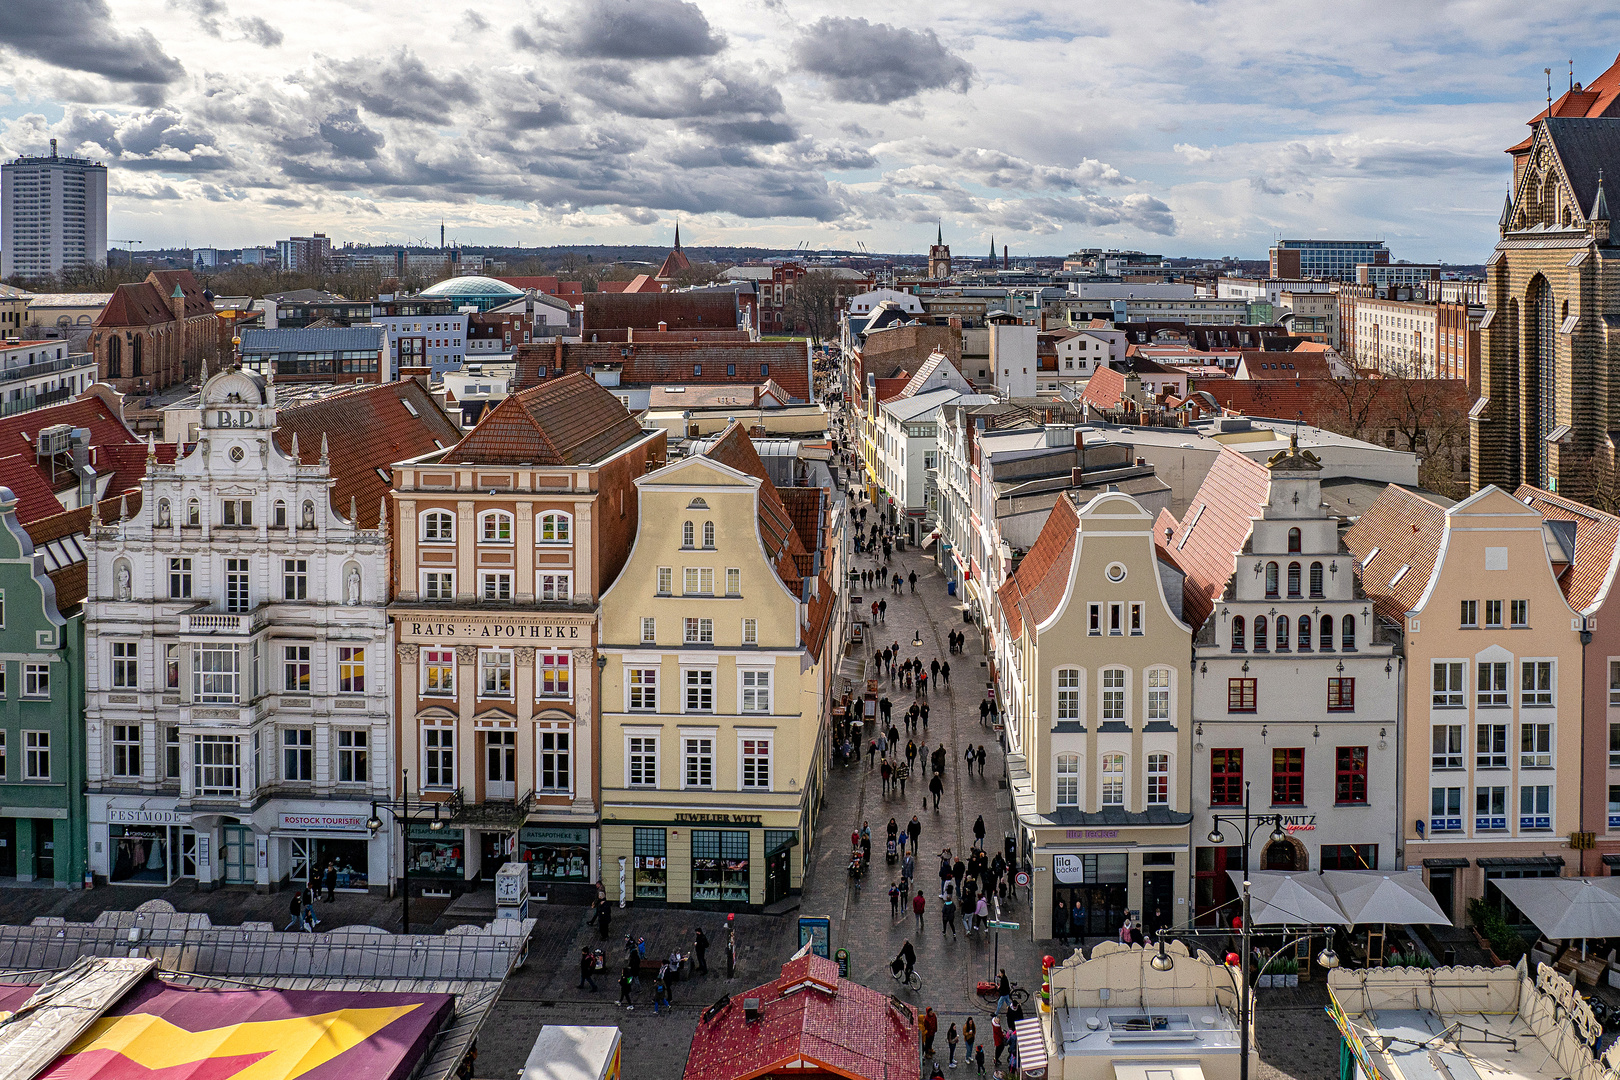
{"points": [[905, 959]]}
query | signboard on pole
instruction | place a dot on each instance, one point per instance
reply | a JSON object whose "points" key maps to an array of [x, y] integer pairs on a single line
{"points": [[816, 930]]}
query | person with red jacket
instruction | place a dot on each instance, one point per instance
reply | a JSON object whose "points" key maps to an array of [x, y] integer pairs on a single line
{"points": [[918, 905]]}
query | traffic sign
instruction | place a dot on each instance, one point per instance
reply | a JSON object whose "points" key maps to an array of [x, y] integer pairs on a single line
{"points": [[1022, 879], [998, 925]]}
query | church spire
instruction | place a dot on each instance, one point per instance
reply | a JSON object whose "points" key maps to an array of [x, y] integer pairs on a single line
{"points": [[1600, 205], [992, 247], [1507, 210], [940, 240], [677, 234]]}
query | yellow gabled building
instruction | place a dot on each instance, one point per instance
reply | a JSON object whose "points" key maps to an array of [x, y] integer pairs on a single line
{"points": [[717, 640]]}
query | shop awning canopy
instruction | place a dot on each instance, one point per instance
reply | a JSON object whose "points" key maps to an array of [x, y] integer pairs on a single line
{"points": [[1277, 897], [1566, 908], [1378, 896]]}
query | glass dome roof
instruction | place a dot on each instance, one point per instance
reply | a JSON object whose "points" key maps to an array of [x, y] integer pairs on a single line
{"points": [[471, 286]]}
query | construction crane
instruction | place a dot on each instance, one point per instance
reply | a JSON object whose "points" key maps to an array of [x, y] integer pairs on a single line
{"points": [[130, 246]]}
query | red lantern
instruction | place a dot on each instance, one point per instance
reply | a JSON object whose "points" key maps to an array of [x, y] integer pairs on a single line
{"points": [[1232, 959], [1048, 963]]}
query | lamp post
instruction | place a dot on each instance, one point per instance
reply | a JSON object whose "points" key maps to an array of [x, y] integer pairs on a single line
{"points": [[403, 812], [1251, 824]]}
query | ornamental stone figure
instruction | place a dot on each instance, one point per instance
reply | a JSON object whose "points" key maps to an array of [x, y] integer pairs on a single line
{"points": [[123, 581], [353, 590]]}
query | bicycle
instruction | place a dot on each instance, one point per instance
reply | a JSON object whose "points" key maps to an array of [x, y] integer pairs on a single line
{"points": [[914, 982]]}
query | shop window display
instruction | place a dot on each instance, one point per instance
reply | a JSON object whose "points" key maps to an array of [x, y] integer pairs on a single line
{"points": [[556, 854], [651, 864], [435, 854], [719, 865]]}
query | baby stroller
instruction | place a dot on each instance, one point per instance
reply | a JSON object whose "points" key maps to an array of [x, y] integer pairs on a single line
{"points": [[892, 853]]}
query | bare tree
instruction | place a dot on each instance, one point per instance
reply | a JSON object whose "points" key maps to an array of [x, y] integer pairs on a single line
{"points": [[814, 307]]}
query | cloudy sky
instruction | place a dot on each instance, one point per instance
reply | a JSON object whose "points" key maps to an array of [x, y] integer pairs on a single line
{"points": [[1174, 126]]}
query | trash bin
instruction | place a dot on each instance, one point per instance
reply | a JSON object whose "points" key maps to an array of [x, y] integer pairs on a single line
{"points": [[950, 588], [967, 614]]}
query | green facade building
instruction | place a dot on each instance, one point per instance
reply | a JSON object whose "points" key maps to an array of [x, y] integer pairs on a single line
{"points": [[42, 811]]}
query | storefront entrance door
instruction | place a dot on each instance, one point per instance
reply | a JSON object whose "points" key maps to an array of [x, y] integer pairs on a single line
{"points": [[491, 854], [500, 765], [1158, 899], [238, 855], [298, 864], [1080, 911], [8, 847]]}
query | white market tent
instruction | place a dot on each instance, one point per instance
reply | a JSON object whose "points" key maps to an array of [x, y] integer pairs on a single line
{"points": [[1341, 897], [1567, 908]]}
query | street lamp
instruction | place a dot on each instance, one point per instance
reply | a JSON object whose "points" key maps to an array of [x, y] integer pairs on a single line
{"points": [[404, 811]]}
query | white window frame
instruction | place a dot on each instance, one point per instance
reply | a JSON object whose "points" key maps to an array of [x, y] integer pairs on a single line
{"points": [[752, 683], [494, 581], [295, 579], [692, 740], [226, 767], [1455, 696], [491, 521], [351, 670], [553, 587], [1066, 789], [561, 525], [1066, 695], [36, 681], [488, 661], [1113, 781], [353, 756], [296, 667], [744, 781], [750, 631], [649, 630], [687, 686], [561, 734], [437, 527], [180, 579], [126, 751], [697, 630], [636, 684], [1160, 698], [1164, 773], [226, 682], [1552, 683], [438, 585], [297, 755], [1113, 695], [1445, 758], [560, 661], [442, 748], [697, 581], [238, 585], [428, 664], [666, 581], [733, 581], [641, 745], [126, 665]]}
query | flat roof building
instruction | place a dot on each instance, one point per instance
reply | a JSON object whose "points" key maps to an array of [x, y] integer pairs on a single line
{"points": [[53, 214]]}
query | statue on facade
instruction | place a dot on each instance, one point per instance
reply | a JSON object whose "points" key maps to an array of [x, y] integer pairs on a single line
{"points": [[123, 581], [353, 591]]}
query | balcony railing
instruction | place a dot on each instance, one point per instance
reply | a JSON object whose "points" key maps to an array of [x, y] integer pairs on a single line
{"points": [[30, 401], [216, 622], [47, 367]]}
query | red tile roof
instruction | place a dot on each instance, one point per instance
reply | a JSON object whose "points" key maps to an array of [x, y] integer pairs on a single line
{"points": [[1405, 528], [1035, 589], [114, 449], [147, 303], [1105, 388], [1599, 98], [1282, 365], [1596, 535], [366, 429], [1334, 402], [566, 421], [783, 545], [670, 362], [1214, 529], [545, 284], [809, 1019], [643, 310], [889, 389], [674, 263]]}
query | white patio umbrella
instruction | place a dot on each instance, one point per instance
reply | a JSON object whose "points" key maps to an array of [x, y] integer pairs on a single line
{"points": [[1278, 897], [1384, 896], [1566, 908]]}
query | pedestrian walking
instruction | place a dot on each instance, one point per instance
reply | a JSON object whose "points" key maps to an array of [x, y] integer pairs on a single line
{"points": [[984, 712], [978, 1057], [871, 753], [970, 1035], [945, 672], [981, 913], [981, 755], [914, 828], [700, 946], [918, 906], [894, 901], [331, 882], [1003, 999], [978, 824], [923, 713], [936, 788], [933, 668], [604, 917], [913, 579], [883, 611], [998, 1038], [296, 910], [661, 998], [626, 980], [947, 915], [958, 872], [930, 1024], [310, 921], [587, 969], [908, 870], [874, 612], [951, 1039], [886, 770]]}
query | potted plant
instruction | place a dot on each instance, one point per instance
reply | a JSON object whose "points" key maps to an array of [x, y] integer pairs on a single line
{"points": [[1285, 971]]}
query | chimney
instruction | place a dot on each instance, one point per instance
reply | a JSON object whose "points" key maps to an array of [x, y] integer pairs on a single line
{"points": [[663, 327], [557, 354], [1006, 262]]}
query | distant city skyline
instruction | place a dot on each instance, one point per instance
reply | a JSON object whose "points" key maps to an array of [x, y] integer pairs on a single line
{"points": [[1197, 129]]}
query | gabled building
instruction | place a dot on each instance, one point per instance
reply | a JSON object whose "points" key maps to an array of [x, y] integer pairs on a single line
{"points": [[1491, 750], [506, 542], [715, 694], [236, 690], [42, 823], [1098, 709], [1296, 688], [155, 333]]}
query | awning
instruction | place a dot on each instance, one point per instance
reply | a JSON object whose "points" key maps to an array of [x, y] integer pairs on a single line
{"points": [[929, 539], [1611, 860], [1567, 908], [1376, 896], [1031, 1047], [1513, 862], [1277, 897], [1445, 864]]}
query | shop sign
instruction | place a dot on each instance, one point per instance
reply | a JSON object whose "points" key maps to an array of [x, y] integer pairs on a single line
{"points": [[531, 834], [651, 862], [1298, 823], [1068, 868], [116, 816], [722, 819], [1091, 834], [325, 822], [492, 631]]}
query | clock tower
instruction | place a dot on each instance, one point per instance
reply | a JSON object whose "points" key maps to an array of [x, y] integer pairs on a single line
{"points": [[939, 258]]}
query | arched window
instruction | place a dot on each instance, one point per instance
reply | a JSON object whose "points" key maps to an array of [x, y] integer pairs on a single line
{"points": [[554, 527], [1271, 579], [438, 527], [495, 527], [278, 514], [1326, 637], [193, 512], [1305, 633], [688, 534], [1113, 779], [1158, 694], [1237, 634], [135, 356], [115, 357], [1113, 694], [1282, 633], [708, 534], [1293, 580], [1068, 780], [1293, 541], [1316, 581], [1348, 630], [1259, 633], [1068, 694]]}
